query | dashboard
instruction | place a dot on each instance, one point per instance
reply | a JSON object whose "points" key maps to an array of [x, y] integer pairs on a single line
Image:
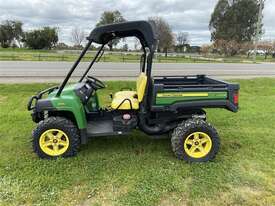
{"points": [[84, 91]]}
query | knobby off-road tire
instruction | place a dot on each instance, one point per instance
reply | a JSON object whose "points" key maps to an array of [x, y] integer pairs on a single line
{"points": [[182, 135], [69, 132]]}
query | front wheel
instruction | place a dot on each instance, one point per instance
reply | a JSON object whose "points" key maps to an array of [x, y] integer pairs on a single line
{"points": [[56, 137], [195, 141]]}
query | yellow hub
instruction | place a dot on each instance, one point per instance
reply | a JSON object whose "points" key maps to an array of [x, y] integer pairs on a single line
{"points": [[197, 145], [54, 142]]}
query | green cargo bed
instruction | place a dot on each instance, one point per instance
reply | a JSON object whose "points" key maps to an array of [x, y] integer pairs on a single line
{"points": [[193, 92]]}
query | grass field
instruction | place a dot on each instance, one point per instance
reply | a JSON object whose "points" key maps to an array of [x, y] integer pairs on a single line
{"points": [[136, 170], [21, 54]]}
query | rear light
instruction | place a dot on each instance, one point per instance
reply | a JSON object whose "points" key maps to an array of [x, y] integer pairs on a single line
{"points": [[236, 98]]}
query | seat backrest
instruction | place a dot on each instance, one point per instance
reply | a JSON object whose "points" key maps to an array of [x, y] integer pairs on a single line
{"points": [[141, 86]]}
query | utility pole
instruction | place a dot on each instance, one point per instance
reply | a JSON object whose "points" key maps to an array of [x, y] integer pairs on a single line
{"points": [[257, 37]]}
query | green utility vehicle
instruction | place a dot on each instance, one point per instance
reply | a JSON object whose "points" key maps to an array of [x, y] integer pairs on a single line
{"points": [[67, 115]]}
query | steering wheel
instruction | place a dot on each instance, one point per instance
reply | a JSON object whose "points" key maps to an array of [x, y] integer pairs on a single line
{"points": [[95, 83]]}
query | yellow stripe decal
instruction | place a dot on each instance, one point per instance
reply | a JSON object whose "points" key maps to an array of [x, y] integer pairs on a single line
{"points": [[176, 94]]}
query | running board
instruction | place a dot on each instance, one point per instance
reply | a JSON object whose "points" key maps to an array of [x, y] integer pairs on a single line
{"points": [[102, 128]]}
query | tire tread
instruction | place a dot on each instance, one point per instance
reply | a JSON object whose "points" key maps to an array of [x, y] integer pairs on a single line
{"points": [[61, 123], [182, 131]]}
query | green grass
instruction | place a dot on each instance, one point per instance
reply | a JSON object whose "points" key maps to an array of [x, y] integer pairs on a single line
{"points": [[136, 170]]}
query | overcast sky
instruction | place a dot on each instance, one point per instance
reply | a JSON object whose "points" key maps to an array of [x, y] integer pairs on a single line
{"points": [[190, 16]]}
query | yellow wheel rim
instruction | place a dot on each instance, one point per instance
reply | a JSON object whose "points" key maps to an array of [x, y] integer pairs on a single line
{"points": [[54, 142], [197, 145]]}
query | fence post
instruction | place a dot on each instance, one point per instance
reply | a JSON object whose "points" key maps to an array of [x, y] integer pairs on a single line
{"points": [[39, 57]]}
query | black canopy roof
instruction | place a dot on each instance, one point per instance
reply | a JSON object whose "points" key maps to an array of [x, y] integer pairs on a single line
{"points": [[141, 29]]}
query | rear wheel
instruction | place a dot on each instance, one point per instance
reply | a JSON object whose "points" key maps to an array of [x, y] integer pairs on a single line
{"points": [[195, 141], [56, 137]]}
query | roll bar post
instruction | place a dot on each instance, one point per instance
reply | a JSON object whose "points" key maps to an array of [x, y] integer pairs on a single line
{"points": [[92, 63], [61, 87]]}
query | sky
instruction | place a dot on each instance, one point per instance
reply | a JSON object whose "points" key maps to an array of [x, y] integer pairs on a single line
{"points": [[190, 16]]}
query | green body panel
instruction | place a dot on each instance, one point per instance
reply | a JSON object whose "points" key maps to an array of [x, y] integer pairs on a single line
{"points": [[167, 98], [69, 101]]}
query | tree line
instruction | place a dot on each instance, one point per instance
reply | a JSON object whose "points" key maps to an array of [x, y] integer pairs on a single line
{"points": [[12, 35], [166, 38], [233, 26]]}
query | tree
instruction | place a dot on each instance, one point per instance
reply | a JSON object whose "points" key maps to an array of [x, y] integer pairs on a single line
{"points": [[182, 40], [110, 17], [227, 47], [235, 21], [206, 49], [61, 45], [246, 47], [11, 32], [78, 36], [163, 33], [44, 38]]}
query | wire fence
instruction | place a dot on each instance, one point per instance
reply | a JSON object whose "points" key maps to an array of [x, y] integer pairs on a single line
{"points": [[111, 57], [124, 57]]}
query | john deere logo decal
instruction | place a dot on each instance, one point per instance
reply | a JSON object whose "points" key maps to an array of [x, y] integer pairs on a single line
{"points": [[178, 94]]}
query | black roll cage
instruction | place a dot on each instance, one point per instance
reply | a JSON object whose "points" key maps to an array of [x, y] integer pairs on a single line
{"points": [[104, 34]]}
